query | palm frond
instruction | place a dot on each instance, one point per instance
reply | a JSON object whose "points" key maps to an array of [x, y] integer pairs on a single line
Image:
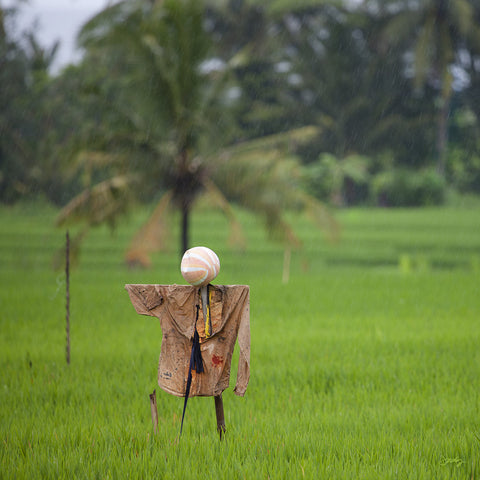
{"points": [[75, 249], [402, 25], [424, 52], [102, 203], [267, 182], [153, 236], [87, 161], [100, 25], [286, 141], [322, 217], [355, 167], [463, 16], [236, 237]]}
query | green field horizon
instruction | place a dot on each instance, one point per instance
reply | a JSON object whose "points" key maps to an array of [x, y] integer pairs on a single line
{"points": [[364, 365]]}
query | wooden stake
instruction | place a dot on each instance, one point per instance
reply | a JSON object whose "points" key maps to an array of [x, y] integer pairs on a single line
{"points": [[221, 429], [153, 408], [67, 274], [287, 255]]}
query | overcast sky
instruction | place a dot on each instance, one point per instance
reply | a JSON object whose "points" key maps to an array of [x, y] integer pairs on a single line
{"points": [[58, 20]]}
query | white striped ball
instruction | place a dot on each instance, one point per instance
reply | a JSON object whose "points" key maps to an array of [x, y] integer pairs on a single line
{"points": [[199, 266]]}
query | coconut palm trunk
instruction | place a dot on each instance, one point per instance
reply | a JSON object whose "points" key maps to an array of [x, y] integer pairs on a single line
{"points": [[186, 189], [442, 135], [185, 227]]}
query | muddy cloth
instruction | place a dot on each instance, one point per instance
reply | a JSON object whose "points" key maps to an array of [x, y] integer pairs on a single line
{"points": [[176, 308]]}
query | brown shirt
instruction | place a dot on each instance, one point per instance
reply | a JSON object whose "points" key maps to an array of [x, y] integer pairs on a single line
{"points": [[176, 308]]}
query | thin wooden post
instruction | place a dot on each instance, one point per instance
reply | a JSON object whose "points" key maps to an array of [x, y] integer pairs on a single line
{"points": [[153, 408], [67, 294], [221, 429], [287, 255]]}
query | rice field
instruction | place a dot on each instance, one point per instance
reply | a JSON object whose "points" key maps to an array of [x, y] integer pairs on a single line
{"points": [[365, 365]]}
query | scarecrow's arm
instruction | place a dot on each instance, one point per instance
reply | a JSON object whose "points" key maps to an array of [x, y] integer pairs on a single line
{"points": [[145, 298], [243, 338]]}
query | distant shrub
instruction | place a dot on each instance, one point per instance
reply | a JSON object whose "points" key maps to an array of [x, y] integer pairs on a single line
{"points": [[408, 188], [338, 181], [463, 170]]}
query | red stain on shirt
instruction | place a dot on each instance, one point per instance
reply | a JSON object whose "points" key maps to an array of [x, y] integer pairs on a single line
{"points": [[216, 360]]}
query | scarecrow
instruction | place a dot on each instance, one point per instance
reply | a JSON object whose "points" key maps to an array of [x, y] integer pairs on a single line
{"points": [[200, 324]]}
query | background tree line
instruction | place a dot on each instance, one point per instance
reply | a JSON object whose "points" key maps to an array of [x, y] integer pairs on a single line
{"points": [[375, 103]]}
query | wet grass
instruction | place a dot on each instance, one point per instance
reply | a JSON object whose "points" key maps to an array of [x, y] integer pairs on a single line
{"points": [[365, 365]]}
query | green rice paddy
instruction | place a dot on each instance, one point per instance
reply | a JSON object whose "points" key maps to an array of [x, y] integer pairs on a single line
{"points": [[365, 365]]}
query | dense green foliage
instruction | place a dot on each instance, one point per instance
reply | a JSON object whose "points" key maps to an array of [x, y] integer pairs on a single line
{"points": [[365, 365], [395, 82], [26, 135]]}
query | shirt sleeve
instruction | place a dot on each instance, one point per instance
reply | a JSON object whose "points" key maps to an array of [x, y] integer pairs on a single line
{"points": [[243, 339], [146, 299]]}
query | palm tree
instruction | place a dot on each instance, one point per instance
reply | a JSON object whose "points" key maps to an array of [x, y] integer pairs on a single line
{"points": [[348, 86], [24, 115], [172, 106], [438, 28]]}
